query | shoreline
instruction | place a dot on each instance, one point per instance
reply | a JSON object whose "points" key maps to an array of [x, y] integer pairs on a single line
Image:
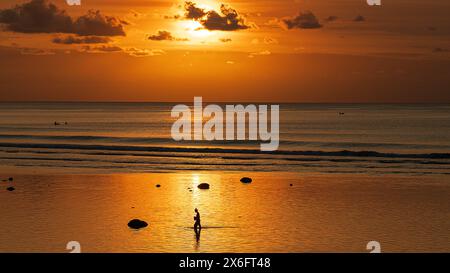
{"points": [[8, 171]]}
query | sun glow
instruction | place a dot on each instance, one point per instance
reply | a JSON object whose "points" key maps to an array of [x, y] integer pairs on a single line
{"points": [[196, 191], [207, 4], [195, 29]]}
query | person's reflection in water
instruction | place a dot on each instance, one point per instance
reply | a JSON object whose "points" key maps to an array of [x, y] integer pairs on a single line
{"points": [[197, 235], [197, 240]]}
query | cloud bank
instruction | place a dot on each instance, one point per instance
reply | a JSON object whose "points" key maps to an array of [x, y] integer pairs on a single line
{"points": [[71, 39], [41, 16]]}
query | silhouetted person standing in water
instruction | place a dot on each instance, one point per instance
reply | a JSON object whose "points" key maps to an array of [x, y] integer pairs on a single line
{"points": [[197, 225]]}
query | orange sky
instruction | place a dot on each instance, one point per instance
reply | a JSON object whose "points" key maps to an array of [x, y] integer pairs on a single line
{"points": [[266, 50]]}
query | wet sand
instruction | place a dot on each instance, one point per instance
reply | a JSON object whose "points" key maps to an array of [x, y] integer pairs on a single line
{"points": [[318, 213]]}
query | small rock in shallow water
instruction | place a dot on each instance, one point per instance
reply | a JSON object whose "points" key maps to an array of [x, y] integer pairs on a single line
{"points": [[246, 180], [137, 224], [11, 189], [203, 186]]}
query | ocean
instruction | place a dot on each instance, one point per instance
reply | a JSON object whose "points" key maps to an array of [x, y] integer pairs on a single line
{"points": [[136, 137]]}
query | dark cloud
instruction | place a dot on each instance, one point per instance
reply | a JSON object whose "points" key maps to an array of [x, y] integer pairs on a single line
{"points": [[227, 20], [41, 16], [305, 20], [230, 20], [94, 23], [165, 36], [81, 40], [161, 36], [132, 51], [192, 11], [106, 48], [359, 18], [102, 48], [36, 16]]}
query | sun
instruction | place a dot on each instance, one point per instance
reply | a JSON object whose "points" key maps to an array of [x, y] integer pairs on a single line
{"points": [[194, 29]]}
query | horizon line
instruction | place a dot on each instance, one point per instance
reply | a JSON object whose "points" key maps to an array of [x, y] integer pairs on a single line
{"points": [[221, 101]]}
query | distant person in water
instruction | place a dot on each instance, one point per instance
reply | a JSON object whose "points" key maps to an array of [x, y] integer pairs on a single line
{"points": [[197, 224]]}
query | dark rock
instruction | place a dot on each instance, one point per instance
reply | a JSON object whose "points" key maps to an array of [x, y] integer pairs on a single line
{"points": [[137, 224], [246, 180], [10, 179], [11, 189], [158, 185], [291, 185], [203, 186]]}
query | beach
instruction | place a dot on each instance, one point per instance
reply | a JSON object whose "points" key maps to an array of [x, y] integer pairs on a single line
{"points": [[318, 213], [344, 175]]}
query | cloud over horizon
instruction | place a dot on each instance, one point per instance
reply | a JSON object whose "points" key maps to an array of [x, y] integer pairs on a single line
{"points": [[164, 35], [69, 40], [102, 48], [305, 20]]}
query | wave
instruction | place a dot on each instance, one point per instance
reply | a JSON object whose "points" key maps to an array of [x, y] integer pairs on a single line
{"points": [[201, 150], [85, 138], [309, 162], [162, 140]]}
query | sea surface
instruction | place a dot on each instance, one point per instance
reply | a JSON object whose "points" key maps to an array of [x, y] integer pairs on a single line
{"points": [[136, 137]]}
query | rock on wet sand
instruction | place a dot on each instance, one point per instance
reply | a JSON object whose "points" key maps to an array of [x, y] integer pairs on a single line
{"points": [[203, 186], [10, 189], [137, 224], [246, 180]]}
